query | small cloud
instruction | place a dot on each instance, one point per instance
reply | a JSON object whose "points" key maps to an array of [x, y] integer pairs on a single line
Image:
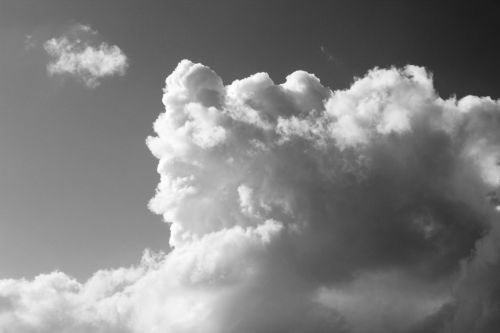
{"points": [[29, 42], [77, 54], [330, 57]]}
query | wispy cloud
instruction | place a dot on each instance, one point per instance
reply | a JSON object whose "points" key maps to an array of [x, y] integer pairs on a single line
{"points": [[77, 54], [29, 43], [330, 57]]}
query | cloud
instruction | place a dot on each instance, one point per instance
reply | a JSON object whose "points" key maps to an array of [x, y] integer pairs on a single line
{"points": [[29, 42], [77, 54], [294, 208]]}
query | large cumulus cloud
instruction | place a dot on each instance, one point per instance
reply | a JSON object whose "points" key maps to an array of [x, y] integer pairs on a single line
{"points": [[294, 208]]}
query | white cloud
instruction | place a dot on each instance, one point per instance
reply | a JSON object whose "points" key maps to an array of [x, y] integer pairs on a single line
{"points": [[76, 54], [184, 291], [245, 194], [294, 208]]}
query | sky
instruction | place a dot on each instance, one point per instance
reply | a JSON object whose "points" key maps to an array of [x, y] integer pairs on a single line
{"points": [[306, 156]]}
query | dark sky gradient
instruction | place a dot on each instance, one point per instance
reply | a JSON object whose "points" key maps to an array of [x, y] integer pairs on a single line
{"points": [[76, 176]]}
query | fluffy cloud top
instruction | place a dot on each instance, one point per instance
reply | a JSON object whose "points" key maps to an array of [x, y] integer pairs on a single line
{"points": [[294, 208], [77, 55]]}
